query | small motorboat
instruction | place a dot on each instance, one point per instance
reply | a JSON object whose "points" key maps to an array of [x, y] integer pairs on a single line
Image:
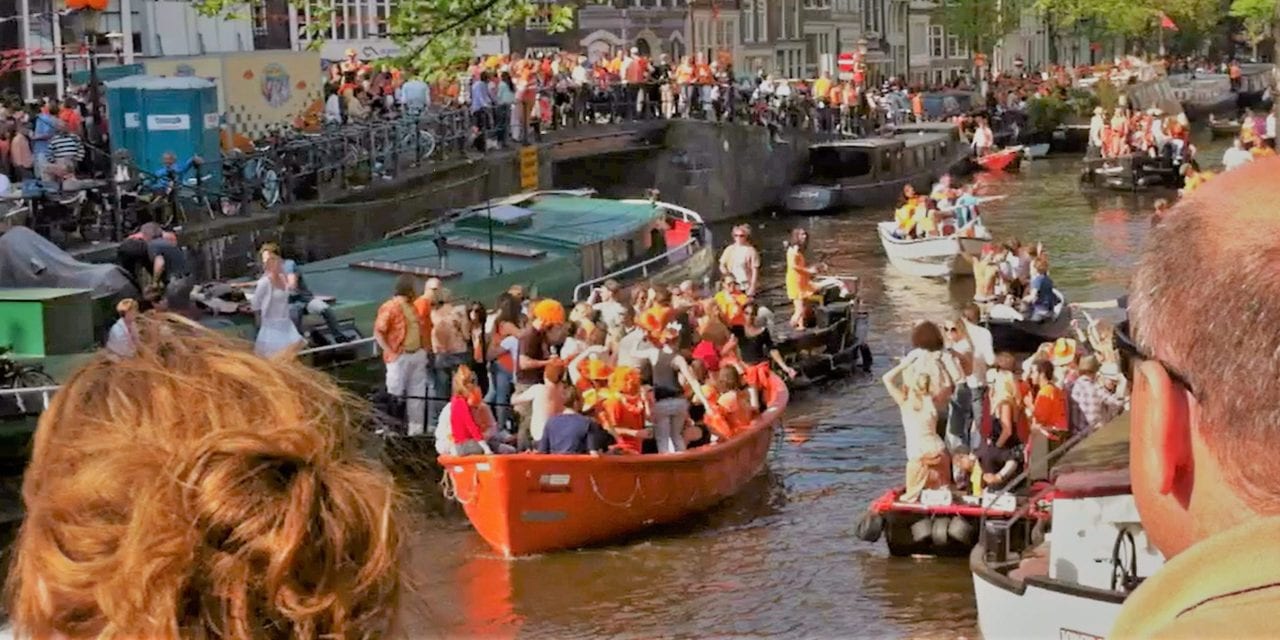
{"points": [[1037, 151], [945, 528], [1024, 336], [1132, 173], [940, 257], [1224, 128], [1007, 159], [524, 504]]}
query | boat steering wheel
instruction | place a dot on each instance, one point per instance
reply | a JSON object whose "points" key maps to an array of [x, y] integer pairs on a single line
{"points": [[1124, 563]]}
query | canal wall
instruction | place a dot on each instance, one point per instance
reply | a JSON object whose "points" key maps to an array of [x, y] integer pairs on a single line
{"points": [[721, 170]]}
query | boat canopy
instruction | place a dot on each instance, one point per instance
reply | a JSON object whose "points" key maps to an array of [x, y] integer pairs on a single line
{"points": [[553, 240], [29, 260]]}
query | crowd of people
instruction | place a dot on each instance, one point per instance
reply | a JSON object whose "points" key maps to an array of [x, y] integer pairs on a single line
{"points": [[44, 141], [974, 419], [651, 368], [947, 209]]}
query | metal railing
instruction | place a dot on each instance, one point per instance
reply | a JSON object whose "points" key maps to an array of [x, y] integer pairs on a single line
{"points": [[643, 268], [46, 392]]}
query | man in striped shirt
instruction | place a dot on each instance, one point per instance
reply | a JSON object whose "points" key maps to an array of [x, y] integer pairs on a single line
{"points": [[66, 148]]}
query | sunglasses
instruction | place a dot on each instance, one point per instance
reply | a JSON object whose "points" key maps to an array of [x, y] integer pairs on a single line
{"points": [[1133, 354]]}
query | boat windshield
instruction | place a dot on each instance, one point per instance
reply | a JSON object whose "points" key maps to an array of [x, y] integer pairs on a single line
{"points": [[831, 164]]}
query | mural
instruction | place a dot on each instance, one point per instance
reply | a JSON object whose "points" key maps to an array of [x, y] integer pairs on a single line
{"points": [[275, 85]]}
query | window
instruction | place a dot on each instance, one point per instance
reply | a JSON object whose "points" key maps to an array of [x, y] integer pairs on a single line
{"points": [[957, 72], [938, 77], [954, 49], [749, 20], [541, 18], [259, 18], [785, 23], [762, 20], [935, 40], [795, 17], [919, 39], [817, 4]]}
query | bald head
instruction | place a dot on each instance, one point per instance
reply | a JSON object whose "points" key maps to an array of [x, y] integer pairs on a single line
{"points": [[1206, 300]]}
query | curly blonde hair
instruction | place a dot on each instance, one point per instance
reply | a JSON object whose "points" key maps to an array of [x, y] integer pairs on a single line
{"points": [[200, 491]]}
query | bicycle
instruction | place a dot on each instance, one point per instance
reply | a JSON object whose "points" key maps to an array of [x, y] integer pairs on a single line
{"points": [[18, 375]]}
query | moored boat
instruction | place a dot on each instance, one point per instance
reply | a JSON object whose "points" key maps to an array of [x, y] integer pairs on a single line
{"points": [[1132, 173], [526, 504], [1224, 128], [1007, 159], [1024, 335], [1071, 582], [937, 257], [872, 172]]}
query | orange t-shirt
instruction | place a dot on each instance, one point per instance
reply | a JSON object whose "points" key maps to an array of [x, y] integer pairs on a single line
{"points": [[704, 75], [731, 307], [655, 318], [626, 412], [1050, 408]]}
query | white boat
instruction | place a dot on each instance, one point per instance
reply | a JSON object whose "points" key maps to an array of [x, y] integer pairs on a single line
{"points": [[1068, 583], [1036, 151], [940, 257]]}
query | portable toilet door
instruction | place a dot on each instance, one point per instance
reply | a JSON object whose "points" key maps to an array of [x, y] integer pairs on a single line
{"points": [[179, 116], [124, 117]]}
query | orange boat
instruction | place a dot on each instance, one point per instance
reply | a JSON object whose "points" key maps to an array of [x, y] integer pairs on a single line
{"points": [[530, 503]]}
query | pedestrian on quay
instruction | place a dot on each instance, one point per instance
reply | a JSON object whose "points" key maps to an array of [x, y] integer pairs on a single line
{"points": [[1203, 419]]}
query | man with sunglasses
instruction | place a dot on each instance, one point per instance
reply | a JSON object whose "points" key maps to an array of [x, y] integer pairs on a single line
{"points": [[741, 260], [1205, 363]]}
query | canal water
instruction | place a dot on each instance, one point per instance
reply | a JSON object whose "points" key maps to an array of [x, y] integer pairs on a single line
{"points": [[780, 559]]}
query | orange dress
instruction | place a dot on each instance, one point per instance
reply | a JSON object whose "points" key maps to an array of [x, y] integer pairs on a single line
{"points": [[798, 285]]}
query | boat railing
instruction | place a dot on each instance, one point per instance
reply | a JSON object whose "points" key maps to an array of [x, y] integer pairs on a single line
{"points": [[646, 267], [1023, 510], [45, 393], [428, 223]]}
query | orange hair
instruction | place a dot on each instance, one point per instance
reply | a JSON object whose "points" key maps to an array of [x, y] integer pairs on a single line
{"points": [[200, 491], [549, 312]]}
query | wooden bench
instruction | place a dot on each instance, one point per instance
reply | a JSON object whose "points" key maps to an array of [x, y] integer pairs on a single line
{"points": [[396, 267], [476, 244]]}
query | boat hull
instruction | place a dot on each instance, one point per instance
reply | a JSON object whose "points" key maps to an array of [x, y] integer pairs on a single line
{"points": [[527, 504], [930, 257], [1006, 160], [1034, 609], [1025, 336], [814, 199], [1038, 151]]}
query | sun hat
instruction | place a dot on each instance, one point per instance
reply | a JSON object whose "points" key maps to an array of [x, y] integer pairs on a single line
{"points": [[1064, 352]]}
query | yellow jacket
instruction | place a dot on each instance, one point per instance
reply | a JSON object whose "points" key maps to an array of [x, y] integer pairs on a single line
{"points": [[1227, 586]]}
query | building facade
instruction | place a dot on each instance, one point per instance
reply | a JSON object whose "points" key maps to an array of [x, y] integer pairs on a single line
{"points": [[830, 27], [532, 37], [653, 27], [715, 31]]}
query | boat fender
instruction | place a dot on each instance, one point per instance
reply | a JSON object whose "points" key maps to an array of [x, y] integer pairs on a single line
{"points": [[938, 531], [921, 530], [962, 531], [870, 527]]}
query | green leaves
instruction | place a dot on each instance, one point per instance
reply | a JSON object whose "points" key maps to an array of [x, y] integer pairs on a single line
{"points": [[980, 23], [1257, 16], [1134, 18]]}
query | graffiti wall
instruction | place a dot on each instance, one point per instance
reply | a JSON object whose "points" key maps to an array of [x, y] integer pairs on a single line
{"points": [[257, 90]]}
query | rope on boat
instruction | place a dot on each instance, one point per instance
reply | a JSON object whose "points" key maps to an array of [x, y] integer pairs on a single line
{"points": [[626, 504], [450, 491]]}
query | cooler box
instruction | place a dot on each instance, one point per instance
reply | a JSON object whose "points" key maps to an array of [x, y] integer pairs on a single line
{"points": [[38, 322]]}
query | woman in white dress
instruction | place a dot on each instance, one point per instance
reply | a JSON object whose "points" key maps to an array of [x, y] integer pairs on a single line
{"points": [[276, 332], [914, 391]]}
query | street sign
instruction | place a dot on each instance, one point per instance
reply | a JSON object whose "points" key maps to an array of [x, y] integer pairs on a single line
{"points": [[845, 62], [528, 168]]}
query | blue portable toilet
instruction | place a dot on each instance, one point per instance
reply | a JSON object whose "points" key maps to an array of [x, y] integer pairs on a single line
{"points": [[155, 115]]}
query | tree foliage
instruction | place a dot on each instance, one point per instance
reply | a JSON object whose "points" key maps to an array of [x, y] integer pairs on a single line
{"points": [[1134, 18], [435, 36], [1258, 17], [979, 24]]}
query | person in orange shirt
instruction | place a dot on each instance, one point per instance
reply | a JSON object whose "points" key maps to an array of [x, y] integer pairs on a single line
{"points": [[732, 410], [624, 410], [704, 77], [731, 302], [403, 334], [917, 106], [1047, 411], [684, 83]]}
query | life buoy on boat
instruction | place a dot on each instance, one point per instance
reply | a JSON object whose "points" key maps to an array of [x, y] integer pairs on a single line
{"points": [[870, 527], [921, 530], [939, 531], [962, 531]]}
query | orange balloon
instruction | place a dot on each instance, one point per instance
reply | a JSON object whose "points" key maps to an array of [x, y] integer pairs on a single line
{"points": [[76, 4], [97, 5]]}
